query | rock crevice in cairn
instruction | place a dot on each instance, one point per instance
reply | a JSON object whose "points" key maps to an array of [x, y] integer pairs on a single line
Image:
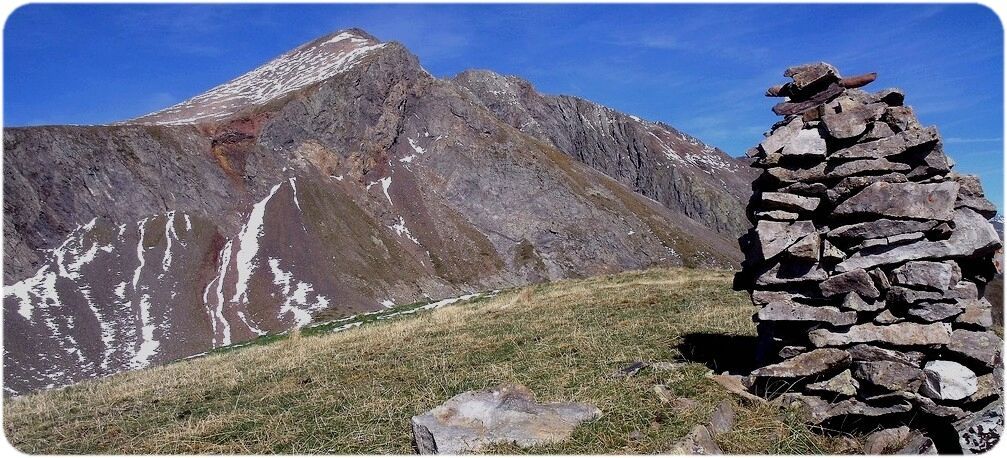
{"points": [[867, 260]]}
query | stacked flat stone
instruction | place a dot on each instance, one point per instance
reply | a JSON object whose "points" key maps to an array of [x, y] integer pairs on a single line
{"points": [[867, 259]]}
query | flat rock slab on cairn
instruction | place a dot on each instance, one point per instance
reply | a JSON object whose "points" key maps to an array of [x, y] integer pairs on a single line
{"points": [[507, 414], [867, 261]]}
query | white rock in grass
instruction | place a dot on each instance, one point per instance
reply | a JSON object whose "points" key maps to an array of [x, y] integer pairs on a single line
{"points": [[948, 380]]}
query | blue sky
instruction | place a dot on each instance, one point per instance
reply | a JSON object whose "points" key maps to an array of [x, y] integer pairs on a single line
{"points": [[701, 68]]}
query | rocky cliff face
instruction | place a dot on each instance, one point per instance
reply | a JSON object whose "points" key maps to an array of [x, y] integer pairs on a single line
{"points": [[338, 178], [651, 158]]}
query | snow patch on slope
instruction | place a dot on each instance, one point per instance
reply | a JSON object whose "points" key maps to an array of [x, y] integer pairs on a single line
{"points": [[295, 295], [248, 246], [401, 229]]}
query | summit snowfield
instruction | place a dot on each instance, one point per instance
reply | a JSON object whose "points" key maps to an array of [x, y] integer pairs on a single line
{"points": [[338, 178], [307, 64]]}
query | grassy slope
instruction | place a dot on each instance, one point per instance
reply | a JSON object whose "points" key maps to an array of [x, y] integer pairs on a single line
{"points": [[355, 391]]}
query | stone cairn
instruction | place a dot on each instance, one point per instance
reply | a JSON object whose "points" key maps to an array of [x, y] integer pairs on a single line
{"points": [[867, 262]]}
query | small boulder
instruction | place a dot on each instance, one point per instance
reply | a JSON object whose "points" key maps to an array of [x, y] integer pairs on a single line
{"points": [[819, 410], [988, 386], [777, 215], [807, 75], [807, 249], [971, 235], [507, 414], [798, 174], [903, 295], [699, 441], [901, 118], [877, 130], [786, 272], [851, 122], [781, 136], [971, 195], [851, 185], [806, 142], [723, 419]]}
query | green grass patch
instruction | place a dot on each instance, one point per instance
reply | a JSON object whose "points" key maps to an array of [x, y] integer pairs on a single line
{"points": [[354, 391]]}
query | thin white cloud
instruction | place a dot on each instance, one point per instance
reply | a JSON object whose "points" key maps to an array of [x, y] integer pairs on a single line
{"points": [[972, 140]]}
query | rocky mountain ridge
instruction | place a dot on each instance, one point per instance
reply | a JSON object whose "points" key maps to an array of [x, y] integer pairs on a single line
{"points": [[258, 207]]}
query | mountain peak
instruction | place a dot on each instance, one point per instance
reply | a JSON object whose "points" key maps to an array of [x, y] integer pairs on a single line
{"points": [[307, 64], [352, 33]]}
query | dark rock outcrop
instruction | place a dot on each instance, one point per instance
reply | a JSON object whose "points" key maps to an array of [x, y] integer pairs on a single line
{"points": [[651, 158]]}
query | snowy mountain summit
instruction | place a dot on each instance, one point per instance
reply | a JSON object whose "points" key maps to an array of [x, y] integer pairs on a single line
{"points": [[305, 65]]}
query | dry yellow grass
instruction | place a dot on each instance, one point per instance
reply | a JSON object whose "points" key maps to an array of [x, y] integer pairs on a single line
{"points": [[355, 391]]}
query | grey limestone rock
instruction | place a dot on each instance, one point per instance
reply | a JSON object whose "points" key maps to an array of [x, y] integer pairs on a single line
{"points": [[790, 311], [856, 281], [981, 346], [888, 146], [934, 201], [864, 352], [890, 375], [776, 237], [789, 202], [507, 414], [928, 274], [903, 334]]}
